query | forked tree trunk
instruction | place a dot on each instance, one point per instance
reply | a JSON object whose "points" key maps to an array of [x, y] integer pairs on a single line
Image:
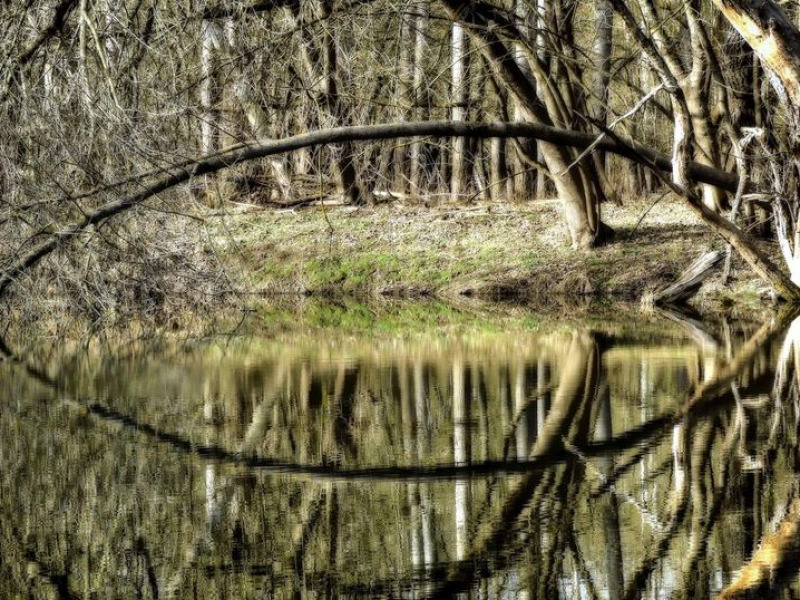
{"points": [[581, 209]]}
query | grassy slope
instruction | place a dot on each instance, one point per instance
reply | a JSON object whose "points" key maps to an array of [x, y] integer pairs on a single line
{"points": [[518, 251]]}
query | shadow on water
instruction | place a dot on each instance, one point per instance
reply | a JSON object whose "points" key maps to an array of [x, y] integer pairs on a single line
{"points": [[586, 462]]}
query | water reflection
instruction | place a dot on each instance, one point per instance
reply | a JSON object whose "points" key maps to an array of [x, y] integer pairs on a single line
{"points": [[586, 462]]}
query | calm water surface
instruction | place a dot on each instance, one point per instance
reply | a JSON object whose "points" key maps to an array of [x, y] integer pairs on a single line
{"points": [[574, 461]]}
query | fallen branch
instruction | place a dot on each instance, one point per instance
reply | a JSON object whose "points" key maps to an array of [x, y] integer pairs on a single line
{"points": [[687, 285]]}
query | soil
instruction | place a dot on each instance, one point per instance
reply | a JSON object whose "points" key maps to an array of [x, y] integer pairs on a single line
{"points": [[511, 252]]}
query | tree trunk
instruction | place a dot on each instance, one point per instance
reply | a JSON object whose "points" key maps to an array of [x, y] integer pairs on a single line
{"points": [[772, 35], [209, 95], [542, 9], [581, 209], [344, 160], [604, 22], [459, 85], [523, 183], [419, 93], [697, 102]]}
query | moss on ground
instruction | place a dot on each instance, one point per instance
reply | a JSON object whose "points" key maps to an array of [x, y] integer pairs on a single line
{"points": [[512, 251]]}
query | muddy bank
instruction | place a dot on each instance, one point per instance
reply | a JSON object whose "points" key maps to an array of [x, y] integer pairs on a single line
{"points": [[516, 252]]}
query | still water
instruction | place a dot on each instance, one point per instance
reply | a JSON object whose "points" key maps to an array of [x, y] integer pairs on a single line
{"points": [[577, 460]]}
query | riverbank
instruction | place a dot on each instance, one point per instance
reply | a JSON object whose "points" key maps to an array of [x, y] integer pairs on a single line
{"points": [[514, 252]]}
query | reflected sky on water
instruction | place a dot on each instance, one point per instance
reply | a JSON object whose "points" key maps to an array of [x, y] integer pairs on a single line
{"points": [[572, 461]]}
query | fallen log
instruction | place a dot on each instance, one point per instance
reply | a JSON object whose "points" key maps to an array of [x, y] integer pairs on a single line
{"points": [[687, 285]]}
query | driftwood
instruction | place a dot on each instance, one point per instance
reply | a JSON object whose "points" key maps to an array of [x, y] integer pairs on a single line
{"points": [[687, 285]]}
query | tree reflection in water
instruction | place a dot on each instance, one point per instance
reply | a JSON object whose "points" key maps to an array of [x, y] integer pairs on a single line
{"points": [[585, 462]]}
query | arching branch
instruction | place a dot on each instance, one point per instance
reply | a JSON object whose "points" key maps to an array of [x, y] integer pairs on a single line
{"points": [[173, 176]]}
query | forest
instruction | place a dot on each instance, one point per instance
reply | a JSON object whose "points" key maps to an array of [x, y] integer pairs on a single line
{"points": [[399, 298], [128, 124]]}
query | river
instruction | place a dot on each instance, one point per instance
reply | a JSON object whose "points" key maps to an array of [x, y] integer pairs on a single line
{"points": [[577, 459]]}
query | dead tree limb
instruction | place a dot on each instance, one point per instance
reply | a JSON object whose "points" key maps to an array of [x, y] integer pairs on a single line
{"points": [[688, 284]]}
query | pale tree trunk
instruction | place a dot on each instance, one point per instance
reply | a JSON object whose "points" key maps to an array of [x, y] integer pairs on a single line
{"points": [[111, 10], [419, 93], [209, 95], [524, 17], [476, 147], [644, 176], [401, 175], [459, 86], [604, 23], [498, 172], [461, 456], [542, 9], [83, 69]]}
